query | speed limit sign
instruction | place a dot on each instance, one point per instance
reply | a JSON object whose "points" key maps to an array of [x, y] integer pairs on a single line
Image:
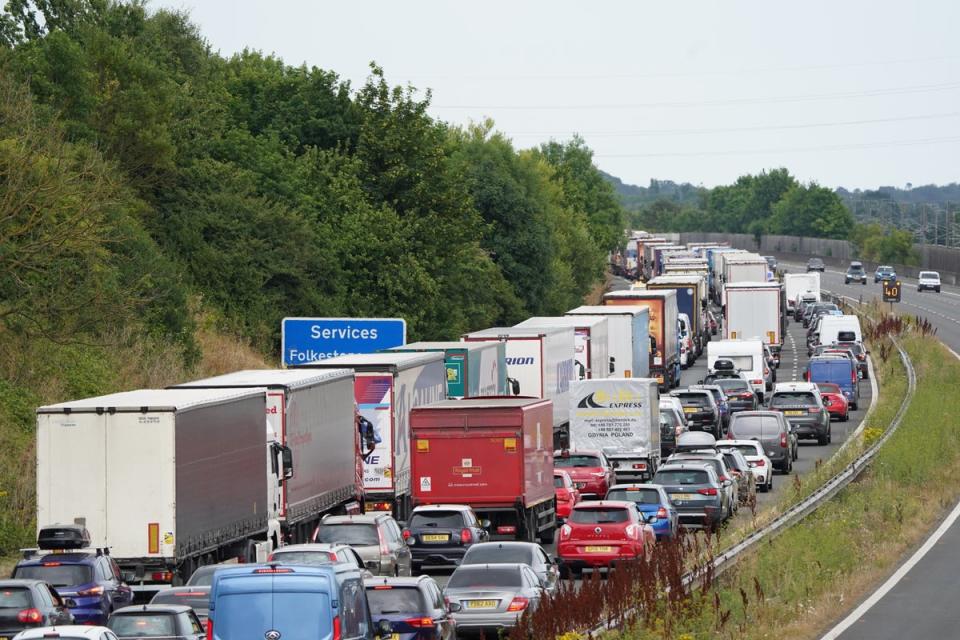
{"points": [[891, 290]]}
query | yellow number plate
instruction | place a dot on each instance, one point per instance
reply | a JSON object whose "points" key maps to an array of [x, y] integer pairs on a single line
{"points": [[598, 549], [434, 537], [793, 413], [394, 636], [689, 409], [679, 497], [481, 604]]}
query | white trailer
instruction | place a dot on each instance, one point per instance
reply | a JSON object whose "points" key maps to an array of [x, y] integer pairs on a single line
{"points": [[621, 417], [628, 335], [755, 310], [168, 479], [796, 284], [590, 340], [747, 357]]}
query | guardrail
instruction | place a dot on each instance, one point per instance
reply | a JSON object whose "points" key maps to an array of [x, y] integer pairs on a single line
{"points": [[796, 513]]}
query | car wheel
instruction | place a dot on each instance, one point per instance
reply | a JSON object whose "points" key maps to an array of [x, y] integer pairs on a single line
{"points": [[822, 440], [937, 289], [764, 487], [770, 483]]}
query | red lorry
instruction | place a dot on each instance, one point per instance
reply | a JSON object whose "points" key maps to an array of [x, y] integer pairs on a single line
{"points": [[494, 454]]}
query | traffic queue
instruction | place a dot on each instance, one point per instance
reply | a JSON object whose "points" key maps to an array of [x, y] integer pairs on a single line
{"points": [[228, 505]]}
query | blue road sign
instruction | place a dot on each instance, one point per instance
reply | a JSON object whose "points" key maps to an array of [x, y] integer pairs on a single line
{"points": [[307, 340]]}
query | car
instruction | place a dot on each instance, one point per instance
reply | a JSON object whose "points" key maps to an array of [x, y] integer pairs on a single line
{"points": [[804, 299], [721, 399], [342, 556], [816, 307], [860, 352], [590, 471], [67, 632], [834, 400], [816, 264], [712, 323], [91, 579], [566, 494], [773, 360], [375, 536], [171, 622], [509, 551], [715, 460], [740, 468], [440, 534], [760, 465], [772, 431], [771, 262], [27, 603], [700, 410], [672, 424], [884, 272], [801, 404], [695, 492], [929, 280], [492, 597], [601, 533], [840, 369], [740, 395], [414, 607], [855, 273], [687, 351], [197, 598], [654, 505]]}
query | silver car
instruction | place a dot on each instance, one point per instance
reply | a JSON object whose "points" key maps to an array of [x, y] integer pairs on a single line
{"points": [[315, 554], [375, 536], [492, 596], [508, 552]]}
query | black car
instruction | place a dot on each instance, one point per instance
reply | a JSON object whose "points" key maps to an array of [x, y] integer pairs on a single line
{"points": [[812, 311], [440, 534], [816, 264], [701, 410], [27, 604], [167, 621], [740, 395], [855, 273], [414, 607]]}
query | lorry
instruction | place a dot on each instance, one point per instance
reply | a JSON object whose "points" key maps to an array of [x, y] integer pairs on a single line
{"points": [[312, 413], [621, 417], [748, 267], [796, 284], [590, 340], [167, 479], [628, 335], [664, 334], [473, 369], [689, 301], [645, 253], [755, 310], [387, 386], [494, 454], [650, 255], [715, 269], [541, 359]]}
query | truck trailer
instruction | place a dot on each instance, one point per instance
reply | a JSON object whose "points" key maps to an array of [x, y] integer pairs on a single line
{"points": [[628, 334], [590, 340], [689, 301], [755, 310], [664, 331], [796, 284], [473, 368]]}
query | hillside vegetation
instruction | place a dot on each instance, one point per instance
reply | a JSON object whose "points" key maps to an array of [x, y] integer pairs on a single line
{"points": [[162, 207]]}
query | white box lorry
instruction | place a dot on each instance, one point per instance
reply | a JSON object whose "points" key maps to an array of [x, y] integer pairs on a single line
{"points": [[755, 310], [796, 284], [628, 335], [590, 340], [621, 417]]}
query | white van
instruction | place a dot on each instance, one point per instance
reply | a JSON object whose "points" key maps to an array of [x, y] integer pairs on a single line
{"points": [[686, 341], [747, 356], [832, 326]]}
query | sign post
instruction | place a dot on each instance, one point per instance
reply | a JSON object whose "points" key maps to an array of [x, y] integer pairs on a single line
{"points": [[891, 292], [306, 340]]}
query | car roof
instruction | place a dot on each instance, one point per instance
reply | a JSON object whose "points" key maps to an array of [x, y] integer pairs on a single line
{"points": [[72, 557], [503, 544], [794, 386], [756, 414], [600, 504], [20, 582], [153, 608], [396, 581], [730, 444], [360, 518], [65, 630], [683, 466], [579, 452], [442, 507], [319, 547], [497, 565], [636, 485]]}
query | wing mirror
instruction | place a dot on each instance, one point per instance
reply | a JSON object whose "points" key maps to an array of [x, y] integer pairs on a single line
{"points": [[485, 524], [70, 603], [514, 386], [454, 607]]}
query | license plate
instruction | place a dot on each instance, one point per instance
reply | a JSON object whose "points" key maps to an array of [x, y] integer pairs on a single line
{"points": [[394, 636], [793, 413], [679, 497], [689, 409], [580, 485], [598, 549], [660, 379], [481, 604], [435, 537]]}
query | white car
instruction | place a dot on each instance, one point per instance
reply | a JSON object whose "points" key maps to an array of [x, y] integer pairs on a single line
{"points": [[928, 280], [760, 464], [676, 404], [67, 632]]}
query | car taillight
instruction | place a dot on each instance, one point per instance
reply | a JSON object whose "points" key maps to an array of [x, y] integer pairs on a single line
{"points": [[519, 603], [209, 628], [710, 491], [565, 531], [861, 356], [723, 478], [420, 623], [806, 376], [760, 463], [563, 495], [813, 410], [766, 371], [783, 440], [465, 536], [677, 430], [506, 529], [662, 512], [757, 381], [92, 591], [30, 616], [337, 632], [633, 532], [853, 377], [406, 534], [640, 466], [746, 395], [384, 547]]}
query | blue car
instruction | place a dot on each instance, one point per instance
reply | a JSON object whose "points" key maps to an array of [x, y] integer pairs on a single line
{"points": [[87, 576], [414, 607], [653, 502]]}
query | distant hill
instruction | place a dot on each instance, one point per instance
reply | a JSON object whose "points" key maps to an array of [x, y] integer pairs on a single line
{"points": [[633, 196]]}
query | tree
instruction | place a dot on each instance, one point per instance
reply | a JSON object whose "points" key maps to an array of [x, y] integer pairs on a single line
{"points": [[811, 210]]}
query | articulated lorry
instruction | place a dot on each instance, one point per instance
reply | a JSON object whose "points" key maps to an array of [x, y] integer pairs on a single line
{"points": [[690, 300], [664, 331], [167, 479], [590, 340], [628, 335], [473, 368], [755, 310], [312, 413], [494, 454]]}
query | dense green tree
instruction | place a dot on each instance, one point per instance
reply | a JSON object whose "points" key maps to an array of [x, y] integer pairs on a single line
{"points": [[811, 210]]}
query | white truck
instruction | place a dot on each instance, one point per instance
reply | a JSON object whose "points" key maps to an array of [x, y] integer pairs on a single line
{"points": [[797, 284], [590, 340], [621, 417], [748, 267], [312, 413], [387, 385], [628, 334], [167, 479], [755, 310], [541, 359]]}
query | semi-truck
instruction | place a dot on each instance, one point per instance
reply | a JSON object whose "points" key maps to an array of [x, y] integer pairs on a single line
{"points": [[166, 479], [755, 310], [664, 338], [628, 334], [715, 269], [387, 386], [748, 267], [312, 413], [689, 301], [590, 340], [541, 359], [620, 417], [473, 368], [796, 284], [494, 454]]}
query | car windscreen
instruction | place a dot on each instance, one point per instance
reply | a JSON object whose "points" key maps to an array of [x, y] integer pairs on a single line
{"points": [[308, 558], [202, 577], [638, 495], [742, 363], [15, 598], [485, 577], [828, 387], [732, 384], [599, 515], [933, 275], [498, 554], [435, 519], [388, 600], [143, 625], [793, 399], [745, 426], [668, 418], [59, 575], [575, 460], [694, 399], [349, 533], [681, 476]]}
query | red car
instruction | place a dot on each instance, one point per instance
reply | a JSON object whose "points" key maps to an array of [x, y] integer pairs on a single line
{"points": [[589, 470], [601, 533], [567, 494], [834, 401]]}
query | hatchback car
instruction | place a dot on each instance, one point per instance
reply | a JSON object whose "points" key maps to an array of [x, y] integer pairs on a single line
{"points": [[440, 534], [413, 606], [855, 273], [565, 493], [803, 408], [740, 395], [772, 431], [720, 398], [492, 597], [834, 401], [695, 492], [760, 464], [812, 311], [375, 536], [714, 459], [884, 272], [599, 534], [816, 264], [315, 554], [171, 622], [197, 598], [29, 604], [928, 280], [740, 468], [67, 632], [672, 424], [654, 504], [700, 410], [509, 551], [590, 471]]}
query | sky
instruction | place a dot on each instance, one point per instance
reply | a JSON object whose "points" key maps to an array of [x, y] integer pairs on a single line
{"points": [[850, 93]]}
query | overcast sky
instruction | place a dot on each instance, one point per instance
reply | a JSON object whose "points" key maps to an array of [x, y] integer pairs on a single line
{"points": [[858, 93]]}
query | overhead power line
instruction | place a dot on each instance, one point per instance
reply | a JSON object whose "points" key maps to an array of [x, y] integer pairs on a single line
{"points": [[817, 149]]}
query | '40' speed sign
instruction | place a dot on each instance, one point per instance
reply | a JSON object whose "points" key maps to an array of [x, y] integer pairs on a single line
{"points": [[891, 290]]}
